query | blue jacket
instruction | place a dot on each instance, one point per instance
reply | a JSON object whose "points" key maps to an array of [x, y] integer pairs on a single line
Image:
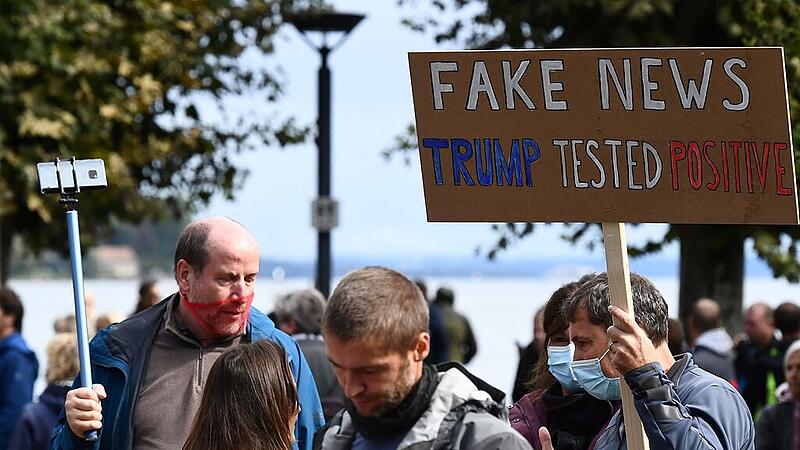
{"points": [[33, 429], [119, 357], [690, 409], [18, 371]]}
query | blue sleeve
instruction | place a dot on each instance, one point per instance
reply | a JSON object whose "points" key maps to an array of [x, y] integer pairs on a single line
{"points": [[715, 418], [17, 376], [310, 418], [62, 438]]}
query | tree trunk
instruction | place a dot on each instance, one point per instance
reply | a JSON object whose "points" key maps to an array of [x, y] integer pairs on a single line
{"points": [[712, 266], [6, 234]]}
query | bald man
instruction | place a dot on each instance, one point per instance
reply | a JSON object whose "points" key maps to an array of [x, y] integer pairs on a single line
{"points": [[151, 368], [711, 345], [759, 360]]}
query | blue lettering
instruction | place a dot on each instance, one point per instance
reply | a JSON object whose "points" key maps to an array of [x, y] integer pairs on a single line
{"points": [[510, 168], [530, 158], [483, 162], [435, 145], [459, 159]]}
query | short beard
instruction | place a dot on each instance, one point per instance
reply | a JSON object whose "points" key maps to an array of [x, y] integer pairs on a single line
{"points": [[399, 391]]}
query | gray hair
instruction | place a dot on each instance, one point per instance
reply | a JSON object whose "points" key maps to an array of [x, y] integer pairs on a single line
{"points": [[305, 307], [649, 305], [192, 246], [376, 303], [795, 346]]}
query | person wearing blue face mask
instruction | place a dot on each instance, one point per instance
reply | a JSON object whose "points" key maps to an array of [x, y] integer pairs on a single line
{"points": [[590, 376], [556, 399], [681, 406]]}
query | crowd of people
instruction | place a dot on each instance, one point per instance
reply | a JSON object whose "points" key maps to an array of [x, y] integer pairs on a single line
{"points": [[379, 365]]}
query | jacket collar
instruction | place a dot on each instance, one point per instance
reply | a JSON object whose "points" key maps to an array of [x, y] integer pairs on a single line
{"points": [[496, 394], [682, 365], [132, 336], [14, 341]]}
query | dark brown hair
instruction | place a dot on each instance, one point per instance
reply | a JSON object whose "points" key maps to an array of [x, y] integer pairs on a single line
{"points": [[248, 401], [11, 305], [145, 301], [376, 303], [554, 323]]}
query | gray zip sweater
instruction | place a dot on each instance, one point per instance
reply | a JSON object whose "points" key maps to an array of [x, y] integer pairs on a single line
{"points": [[461, 415]]}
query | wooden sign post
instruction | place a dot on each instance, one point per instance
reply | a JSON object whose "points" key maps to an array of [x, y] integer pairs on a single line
{"points": [[669, 135], [619, 283]]}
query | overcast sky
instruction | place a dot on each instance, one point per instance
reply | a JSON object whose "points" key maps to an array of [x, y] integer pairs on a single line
{"points": [[382, 208]]}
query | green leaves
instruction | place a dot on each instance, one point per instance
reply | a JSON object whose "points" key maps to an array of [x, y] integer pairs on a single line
{"points": [[488, 24], [121, 81]]}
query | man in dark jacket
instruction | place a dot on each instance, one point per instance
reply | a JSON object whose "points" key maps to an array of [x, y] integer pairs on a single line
{"points": [[681, 405], [712, 347], [528, 357], [759, 359], [462, 345], [440, 343], [376, 328], [787, 320], [38, 419], [299, 314], [18, 365], [153, 366]]}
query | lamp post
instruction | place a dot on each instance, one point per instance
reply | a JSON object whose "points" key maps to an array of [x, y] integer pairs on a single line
{"points": [[324, 208]]}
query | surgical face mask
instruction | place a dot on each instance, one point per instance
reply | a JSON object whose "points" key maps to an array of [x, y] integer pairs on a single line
{"points": [[559, 363], [591, 378]]}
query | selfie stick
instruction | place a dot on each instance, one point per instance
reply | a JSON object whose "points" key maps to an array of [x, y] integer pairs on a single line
{"points": [[70, 201]]}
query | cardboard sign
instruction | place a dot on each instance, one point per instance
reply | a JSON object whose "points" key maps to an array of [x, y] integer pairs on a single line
{"points": [[673, 135]]}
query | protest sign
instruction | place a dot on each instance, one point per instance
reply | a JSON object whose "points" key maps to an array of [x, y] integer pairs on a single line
{"points": [[673, 135], [669, 135]]}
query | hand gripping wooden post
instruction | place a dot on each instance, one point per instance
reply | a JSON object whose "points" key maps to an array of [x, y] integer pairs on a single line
{"points": [[619, 285]]}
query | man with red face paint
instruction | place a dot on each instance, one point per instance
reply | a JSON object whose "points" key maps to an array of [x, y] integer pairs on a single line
{"points": [[150, 369]]}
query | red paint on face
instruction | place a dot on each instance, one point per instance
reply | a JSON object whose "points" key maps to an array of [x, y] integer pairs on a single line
{"points": [[222, 318]]}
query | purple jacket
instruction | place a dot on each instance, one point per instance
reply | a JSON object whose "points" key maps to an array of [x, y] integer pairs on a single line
{"points": [[527, 416], [530, 413]]}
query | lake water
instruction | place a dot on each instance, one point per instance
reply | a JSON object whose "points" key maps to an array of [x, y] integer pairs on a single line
{"points": [[499, 309]]}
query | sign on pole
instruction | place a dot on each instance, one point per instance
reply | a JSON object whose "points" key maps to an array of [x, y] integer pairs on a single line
{"points": [[605, 135], [671, 135]]}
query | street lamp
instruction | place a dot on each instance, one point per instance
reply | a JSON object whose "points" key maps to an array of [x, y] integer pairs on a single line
{"points": [[324, 209]]}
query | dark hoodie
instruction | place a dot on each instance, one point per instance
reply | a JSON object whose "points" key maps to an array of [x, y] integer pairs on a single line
{"points": [[713, 352], [18, 371], [38, 419]]}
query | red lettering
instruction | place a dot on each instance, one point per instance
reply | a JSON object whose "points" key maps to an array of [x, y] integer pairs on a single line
{"points": [[676, 156], [761, 166], [696, 175], [706, 145], [779, 169], [748, 165], [735, 145], [725, 165]]}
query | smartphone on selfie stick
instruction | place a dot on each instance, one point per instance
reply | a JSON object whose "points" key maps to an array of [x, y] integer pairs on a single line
{"points": [[68, 178]]}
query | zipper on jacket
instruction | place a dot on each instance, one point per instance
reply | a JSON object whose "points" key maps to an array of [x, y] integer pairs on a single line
{"points": [[200, 368]]}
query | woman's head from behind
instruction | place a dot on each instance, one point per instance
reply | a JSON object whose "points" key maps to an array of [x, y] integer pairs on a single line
{"points": [[249, 401]]}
